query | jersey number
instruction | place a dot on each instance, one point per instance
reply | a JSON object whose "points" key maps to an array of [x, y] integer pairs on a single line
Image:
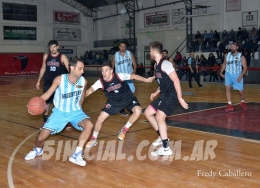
{"points": [[52, 68]]}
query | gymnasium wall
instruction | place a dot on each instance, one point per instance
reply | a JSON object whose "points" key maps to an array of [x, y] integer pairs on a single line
{"points": [[45, 26]]}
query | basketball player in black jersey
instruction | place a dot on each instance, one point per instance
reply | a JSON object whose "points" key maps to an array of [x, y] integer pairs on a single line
{"points": [[165, 55], [53, 65], [119, 96], [170, 94]]}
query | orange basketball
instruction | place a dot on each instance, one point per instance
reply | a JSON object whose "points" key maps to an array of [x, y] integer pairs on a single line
{"points": [[36, 105]]}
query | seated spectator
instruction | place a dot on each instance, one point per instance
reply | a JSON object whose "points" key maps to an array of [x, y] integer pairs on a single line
{"points": [[215, 72], [253, 33], [204, 64], [114, 48], [195, 45], [232, 35], [216, 36], [105, 55], [225, 34], [244, 35], [198, 35], [178, 57], [248, 45], [240, 46], [247, 56], [220, 49], [213, 44], [239, 34]]}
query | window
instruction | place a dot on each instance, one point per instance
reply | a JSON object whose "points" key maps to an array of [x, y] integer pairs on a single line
{"points": [[19, 12]]}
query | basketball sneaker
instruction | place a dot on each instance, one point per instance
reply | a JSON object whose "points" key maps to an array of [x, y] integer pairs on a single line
{"points": [[122, 133], [157, 142], [33, 154], [229, 108], [92, 142], [243, 105], [162, 151], [77, 159]]}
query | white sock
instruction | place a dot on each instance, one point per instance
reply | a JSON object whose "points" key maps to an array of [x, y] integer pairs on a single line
{"points": [[128, 125], [95, 134], [229, 102], [78, 149], [38, 149], [242, 100]]}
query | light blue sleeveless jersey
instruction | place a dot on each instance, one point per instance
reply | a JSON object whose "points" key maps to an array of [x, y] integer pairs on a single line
{"points": [[234, 63], [68, 95], [123, 64]]}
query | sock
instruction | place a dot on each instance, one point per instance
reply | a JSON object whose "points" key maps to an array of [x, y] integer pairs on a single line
{"points": [[95, 134], [229, 102], [242, 100], [158, 132], [127, 125], [45, 117], [165, 143], [38, 149], [78, 149]]}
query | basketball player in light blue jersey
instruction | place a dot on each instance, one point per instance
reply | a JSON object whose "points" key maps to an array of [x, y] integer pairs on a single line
{"points": [[124, 62], [233, 63], [69, 95]]}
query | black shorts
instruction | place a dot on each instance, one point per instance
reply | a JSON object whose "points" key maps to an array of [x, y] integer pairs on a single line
{"points": [[45, 88], [113, 108], [165, 104]]}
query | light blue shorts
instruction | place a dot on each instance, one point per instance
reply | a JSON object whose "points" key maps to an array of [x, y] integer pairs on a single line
{"points": [[58, 120], [131, 85], [231, 80]]}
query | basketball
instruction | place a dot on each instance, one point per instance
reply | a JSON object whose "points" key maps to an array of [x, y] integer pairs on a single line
{"points": [[36, 105]]}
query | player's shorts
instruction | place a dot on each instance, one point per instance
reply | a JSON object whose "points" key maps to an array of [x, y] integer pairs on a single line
{"points": [[58, 120], [131, 85], [165, 104], [114, 108], [45, 88], [231, 80]]}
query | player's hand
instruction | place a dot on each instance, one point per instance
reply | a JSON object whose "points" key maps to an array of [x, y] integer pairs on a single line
{"points": [[153, 95], [29, 110], [150, 79], [38, 85], [239, 78], [183, 103], [222, 75]]}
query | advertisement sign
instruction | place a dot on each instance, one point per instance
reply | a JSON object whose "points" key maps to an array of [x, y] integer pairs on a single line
{"points": [[19, 33], [69, 51], [66, 34], [66, 17], [250, 19], [233, 5], [14, 64], [178, 16], [156, 19]]}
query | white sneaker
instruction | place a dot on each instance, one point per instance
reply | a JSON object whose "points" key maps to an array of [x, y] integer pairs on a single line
{"points": [[162, 151], [157, 142], [92, 142], [33, 154], [77, 159]]}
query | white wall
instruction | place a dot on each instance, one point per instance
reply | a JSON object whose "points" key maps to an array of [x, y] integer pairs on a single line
{"points": [[45, 27]]}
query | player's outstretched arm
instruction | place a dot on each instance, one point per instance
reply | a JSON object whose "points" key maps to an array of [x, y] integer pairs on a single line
{"points": [[89, 91], [42, 71], [142, 79], [52, 89]]}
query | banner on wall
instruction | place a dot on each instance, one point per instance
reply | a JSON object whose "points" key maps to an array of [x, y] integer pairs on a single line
{"points": [[178, 16], [66, 17], [250, 19], [66, 34], [233, 5], [69, 51], [19, 33], [14, 64], [156, 19]]}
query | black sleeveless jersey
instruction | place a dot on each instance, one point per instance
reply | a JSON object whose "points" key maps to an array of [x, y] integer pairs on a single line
{"points": [[164, 81], [116, 90], [54, 67]]}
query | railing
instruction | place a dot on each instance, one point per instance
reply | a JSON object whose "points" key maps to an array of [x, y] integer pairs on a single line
{"points": [[179, 47]]}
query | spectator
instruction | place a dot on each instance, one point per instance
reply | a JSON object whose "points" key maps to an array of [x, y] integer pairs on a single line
{"points": [[253, 33], [225, 34], [232, 35], [215, 72], [239, 33], [248, 45], [246, 54], [178, 57], [183, 70], [105, 55], [216, 36], [203, 63], [213, 44], [221, 48], [198, 35], [244, 35], [195, 45]]}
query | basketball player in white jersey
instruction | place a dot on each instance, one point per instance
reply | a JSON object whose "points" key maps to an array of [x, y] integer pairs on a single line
{"points": [[233, 63], [69, 95], [124, 62], [119, 96]]}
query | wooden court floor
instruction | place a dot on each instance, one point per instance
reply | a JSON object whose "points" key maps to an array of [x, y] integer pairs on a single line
{"points": [[212, 148]]}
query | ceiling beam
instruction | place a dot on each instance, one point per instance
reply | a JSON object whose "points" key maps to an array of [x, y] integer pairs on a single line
{"points": [[82, 8]]}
